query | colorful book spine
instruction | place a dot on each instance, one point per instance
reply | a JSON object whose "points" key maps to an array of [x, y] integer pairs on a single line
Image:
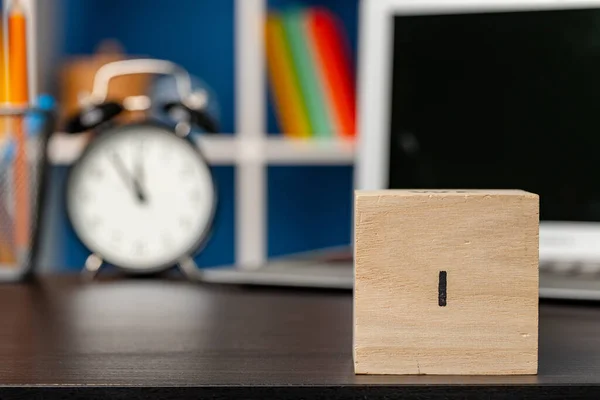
{"points": [[285, 85], [335, 72], [305, 66]]}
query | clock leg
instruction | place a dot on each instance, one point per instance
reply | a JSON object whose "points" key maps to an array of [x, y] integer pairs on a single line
{"points": [[190, 269], [92, 266]]}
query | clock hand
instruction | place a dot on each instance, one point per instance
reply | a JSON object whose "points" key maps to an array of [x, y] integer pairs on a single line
{"points": [[140, 172], [139, 192], [127, 178]]}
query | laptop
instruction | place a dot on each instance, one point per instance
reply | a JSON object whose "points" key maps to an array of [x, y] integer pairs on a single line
{"points": [[491, 94], [487, 94]]}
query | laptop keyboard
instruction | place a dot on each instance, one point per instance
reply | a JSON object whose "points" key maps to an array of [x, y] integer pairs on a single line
{"points": [[570, 280]]}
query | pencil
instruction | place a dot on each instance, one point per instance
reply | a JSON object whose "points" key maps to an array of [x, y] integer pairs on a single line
{"points": [[18, 95], [4, 134], [3, 71], [6, 230], [7, 255]]}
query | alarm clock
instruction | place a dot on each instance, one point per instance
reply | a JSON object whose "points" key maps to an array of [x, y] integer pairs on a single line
{"points": [[141, 197]]}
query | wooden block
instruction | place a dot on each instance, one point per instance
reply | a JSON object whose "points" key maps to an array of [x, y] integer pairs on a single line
{"points": [[446, 282]]}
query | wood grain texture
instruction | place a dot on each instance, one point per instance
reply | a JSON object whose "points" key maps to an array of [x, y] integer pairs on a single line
{"points": [[486, 242], [167, 339]]}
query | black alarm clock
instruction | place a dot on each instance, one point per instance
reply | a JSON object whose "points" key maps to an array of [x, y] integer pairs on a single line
{"points": [[141, 197]]}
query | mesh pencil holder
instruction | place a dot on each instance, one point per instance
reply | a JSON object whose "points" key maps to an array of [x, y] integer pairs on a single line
{"points": [[24, 134]]}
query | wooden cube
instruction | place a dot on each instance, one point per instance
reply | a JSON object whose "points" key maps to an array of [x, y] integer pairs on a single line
{"points": [[446, 282]]}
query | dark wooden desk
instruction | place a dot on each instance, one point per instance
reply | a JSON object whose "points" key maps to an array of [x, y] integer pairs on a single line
{"points": [[166, 339]]}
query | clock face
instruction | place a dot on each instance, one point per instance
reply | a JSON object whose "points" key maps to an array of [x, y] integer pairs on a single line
{"points": [[141, 197]]}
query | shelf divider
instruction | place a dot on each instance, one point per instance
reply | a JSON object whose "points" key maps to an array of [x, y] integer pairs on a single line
{"points": [[251, 174]]}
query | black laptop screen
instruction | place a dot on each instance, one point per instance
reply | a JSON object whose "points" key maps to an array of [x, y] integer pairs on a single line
{"points": [[500, 100]]}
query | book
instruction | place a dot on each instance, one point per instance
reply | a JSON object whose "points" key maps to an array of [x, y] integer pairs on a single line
{"points": [[284, 83], [305, 67], [335, 69]]}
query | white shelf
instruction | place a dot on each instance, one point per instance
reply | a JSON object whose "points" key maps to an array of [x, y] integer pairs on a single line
{"points": [[284, 151], [64, 149]]}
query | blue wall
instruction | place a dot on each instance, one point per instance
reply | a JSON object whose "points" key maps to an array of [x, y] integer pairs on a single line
{"points": [[309, 207]]}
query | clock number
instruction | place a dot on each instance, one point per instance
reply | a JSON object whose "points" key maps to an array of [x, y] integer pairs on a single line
{"points": [[195, 196], [167, 240], [96, 172], [186, 172], [185, 222], [93, 222], [139, 248], [167, 153], [83, 196]]}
